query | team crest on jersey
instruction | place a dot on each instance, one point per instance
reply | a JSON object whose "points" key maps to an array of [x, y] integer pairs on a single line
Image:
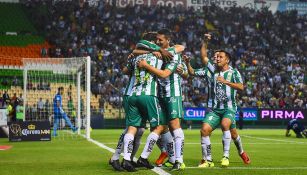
{"points": [[174, 112], [153, 120]]}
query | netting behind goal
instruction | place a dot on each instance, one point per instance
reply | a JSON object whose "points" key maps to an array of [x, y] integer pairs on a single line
{"points": [[44, 78]]}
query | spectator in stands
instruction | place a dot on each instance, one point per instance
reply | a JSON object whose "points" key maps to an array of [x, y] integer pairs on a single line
{"points": [[14, 98], [5, 98], [20, 97], [40, 109], [261, 50], [19, 110], [15, 81]]}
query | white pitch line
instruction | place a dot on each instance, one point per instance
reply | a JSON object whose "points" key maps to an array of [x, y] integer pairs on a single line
{"points": [[261, 138], [101, 145], [253, 168], [217, 143]]}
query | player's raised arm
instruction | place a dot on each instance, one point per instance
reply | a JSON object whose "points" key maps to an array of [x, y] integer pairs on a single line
{"points": [[145, 47], [203, 50], [186, 59]]}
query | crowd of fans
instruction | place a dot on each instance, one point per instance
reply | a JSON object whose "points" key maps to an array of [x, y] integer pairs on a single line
{"points": [[270, 50]]}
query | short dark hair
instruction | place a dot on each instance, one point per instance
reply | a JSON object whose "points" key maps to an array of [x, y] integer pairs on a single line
{"points": [[167, 33], [150, 36], [224, 51]]}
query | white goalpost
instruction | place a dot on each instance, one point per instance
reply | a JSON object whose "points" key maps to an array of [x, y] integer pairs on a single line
{"points": [[43, 77]]}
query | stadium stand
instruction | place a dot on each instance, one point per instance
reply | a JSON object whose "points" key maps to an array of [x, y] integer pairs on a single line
{"points": [[263, 49]]}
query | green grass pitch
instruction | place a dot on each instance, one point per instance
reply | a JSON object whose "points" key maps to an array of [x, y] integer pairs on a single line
{"points": [[270, 151]]}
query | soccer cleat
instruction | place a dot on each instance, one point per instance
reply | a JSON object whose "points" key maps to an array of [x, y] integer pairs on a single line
{"points": [[225, 162], [178, 166], [245, 158], [116, 165], [168, 164], [144, 163], [161, 159], [135, 164], [127, 165], [205, 164]]}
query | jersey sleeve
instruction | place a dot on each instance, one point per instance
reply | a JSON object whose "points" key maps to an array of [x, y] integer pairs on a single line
{"points": [[211, 66], [147, 45], [237, 77], [171, 66]]}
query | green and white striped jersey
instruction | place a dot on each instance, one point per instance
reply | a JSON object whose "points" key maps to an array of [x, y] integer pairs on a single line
{"points": [[130, 66], [142, 81], [171, 86], [220, 96]]}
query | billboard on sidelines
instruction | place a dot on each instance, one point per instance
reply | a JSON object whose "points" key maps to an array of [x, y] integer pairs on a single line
{"points": [[249, 114], [194, 113], [282, 114], [29, 131]]}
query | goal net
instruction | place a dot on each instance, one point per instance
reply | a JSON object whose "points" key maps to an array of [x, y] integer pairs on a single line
{"points": [[58, 90]]}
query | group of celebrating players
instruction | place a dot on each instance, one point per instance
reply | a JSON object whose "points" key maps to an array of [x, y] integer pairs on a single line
{"points": [[153, 94]]}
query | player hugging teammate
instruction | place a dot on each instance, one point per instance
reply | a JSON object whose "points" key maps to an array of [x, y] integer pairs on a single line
{"points": [[153, 94]]}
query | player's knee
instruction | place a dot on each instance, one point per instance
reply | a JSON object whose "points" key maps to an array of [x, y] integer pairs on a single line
{"points": [[174, 124], [205, 130], [225, 124], [158, 129]]}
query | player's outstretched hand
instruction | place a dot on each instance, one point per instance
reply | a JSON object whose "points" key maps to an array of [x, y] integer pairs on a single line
{"points": [[141, 63], [179, 69], [167, 56], [221, 79], [207, 37], [131, 55], [157, 54], [186, 59]]}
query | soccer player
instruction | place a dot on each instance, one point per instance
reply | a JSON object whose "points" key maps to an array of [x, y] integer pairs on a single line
{"points": [[59, 112], [223, 83], [205, 73], [128, 69], [114, 161], [170, 93], [297, 127], [143, 105]]}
